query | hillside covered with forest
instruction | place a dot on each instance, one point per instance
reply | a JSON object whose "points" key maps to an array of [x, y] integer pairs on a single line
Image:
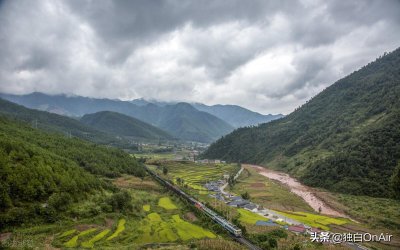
{"points": [[61, 124], [42, 173], [345, 139], [123, 125]]}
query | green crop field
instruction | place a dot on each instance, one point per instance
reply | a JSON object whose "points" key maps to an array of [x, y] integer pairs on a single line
{"points": [[249, 217], [315, 220], [165, 202], [155, 228], [156, 156], [146, 208], [158, 226], [120, 229], [68, 233], [73, 242], [153, 218], [195, 175], [90, 243]]}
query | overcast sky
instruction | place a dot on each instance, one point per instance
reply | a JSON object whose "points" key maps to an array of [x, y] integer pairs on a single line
{"points": [[268, 56]]}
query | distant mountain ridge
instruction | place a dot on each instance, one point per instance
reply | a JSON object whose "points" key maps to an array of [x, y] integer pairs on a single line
{"points": [[235, 115], [180, 120]]}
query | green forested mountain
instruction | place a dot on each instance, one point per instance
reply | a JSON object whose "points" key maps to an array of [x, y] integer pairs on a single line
{"points": [[36, 165], [58, 123], [234, 115], [123, 125], [184, 121], [346, 139], [180, 120]]}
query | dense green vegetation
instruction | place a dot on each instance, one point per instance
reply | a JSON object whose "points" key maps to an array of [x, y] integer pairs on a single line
{"points": [[268, 240], [62, 124], [42, 173], [375, 212], [395, 181], [123, 125], [346, 139]]}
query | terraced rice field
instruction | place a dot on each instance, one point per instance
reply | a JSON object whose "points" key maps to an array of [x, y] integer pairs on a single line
{"points": [[68, 233], [158, 226], [90, 243], [73, 242], [120, 229], [195, 175], [154, 228], [88, 238], [315, 220]]}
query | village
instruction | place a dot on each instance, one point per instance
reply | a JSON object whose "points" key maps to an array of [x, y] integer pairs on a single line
{"points": [[272, 218]]}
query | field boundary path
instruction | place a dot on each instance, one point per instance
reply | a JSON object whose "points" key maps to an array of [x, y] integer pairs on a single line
{"points": [[221, 188]]}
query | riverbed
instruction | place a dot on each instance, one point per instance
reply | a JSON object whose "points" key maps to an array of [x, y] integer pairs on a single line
{"points": [[305, 192]]}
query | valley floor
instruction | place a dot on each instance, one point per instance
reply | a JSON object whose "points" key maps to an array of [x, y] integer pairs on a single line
{"points": [[367, 214], [161, 220]]}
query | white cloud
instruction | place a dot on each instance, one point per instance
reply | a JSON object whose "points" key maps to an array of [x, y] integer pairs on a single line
{"points": [[267, 57]]}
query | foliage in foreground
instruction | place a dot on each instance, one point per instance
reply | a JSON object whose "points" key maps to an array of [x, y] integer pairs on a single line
{"points": [[42, 174]]}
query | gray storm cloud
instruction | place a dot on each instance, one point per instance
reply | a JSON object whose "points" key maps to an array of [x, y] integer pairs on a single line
{"points": [[269, 56]]}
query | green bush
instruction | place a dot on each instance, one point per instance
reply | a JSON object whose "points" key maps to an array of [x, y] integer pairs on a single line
{"points": [[120, 202], [60, 201]]}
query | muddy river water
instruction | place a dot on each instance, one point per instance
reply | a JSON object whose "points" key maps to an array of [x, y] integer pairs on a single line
{"points": [[306, 193]]}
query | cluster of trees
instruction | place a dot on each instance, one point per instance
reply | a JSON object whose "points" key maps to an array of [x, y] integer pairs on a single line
{"points": [[245, 195], [268, 240], [352, 128], [42, 173]]}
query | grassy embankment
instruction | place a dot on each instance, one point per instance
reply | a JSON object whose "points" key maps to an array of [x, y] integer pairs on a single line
{"points": [[376, 216]]}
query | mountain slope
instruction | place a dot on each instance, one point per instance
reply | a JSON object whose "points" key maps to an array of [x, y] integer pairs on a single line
{"points": [[236, 115], [345, 139], [207, 127], [57, 123], [123, 125], [37, 167], [184, 121]]}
